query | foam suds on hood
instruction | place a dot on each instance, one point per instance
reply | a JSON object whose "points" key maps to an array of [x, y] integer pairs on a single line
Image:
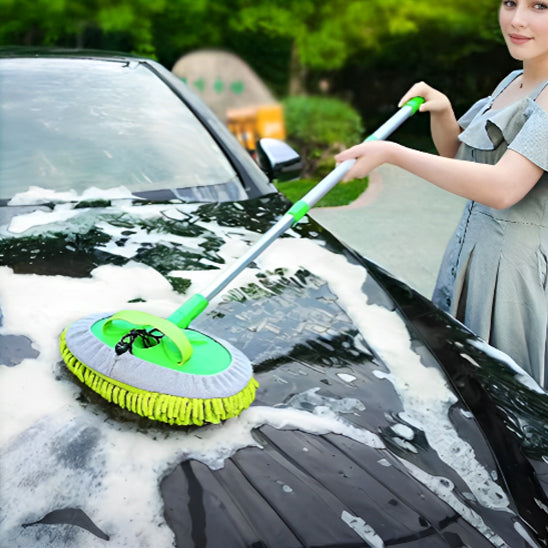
{"points": [[119, 474], [38, 195], [22, 223], [115, 469], [424, 392]]}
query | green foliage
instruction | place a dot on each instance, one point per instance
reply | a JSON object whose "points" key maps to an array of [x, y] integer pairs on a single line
{"points": [[107, 24], [319, 127], [185, 25], [327, 35]]}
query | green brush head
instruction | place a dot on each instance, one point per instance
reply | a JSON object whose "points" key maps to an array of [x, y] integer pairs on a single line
{"points": [[163, 373], [160, 341]]}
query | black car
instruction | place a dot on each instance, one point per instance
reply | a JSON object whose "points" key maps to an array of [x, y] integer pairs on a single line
{"points": [[379, 420]]}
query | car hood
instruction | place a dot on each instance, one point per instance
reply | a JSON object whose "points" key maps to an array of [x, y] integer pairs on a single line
{"points": [[378, 419]]}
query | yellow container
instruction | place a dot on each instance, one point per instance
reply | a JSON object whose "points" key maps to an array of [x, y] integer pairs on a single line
{"points": [[270, 122], [253, 123]]}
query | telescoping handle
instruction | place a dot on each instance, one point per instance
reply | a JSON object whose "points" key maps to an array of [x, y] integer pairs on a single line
{"points": [[196, 304], [302, 207]]}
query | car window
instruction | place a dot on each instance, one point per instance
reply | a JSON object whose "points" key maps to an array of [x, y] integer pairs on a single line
{"points": [[70, 125]]}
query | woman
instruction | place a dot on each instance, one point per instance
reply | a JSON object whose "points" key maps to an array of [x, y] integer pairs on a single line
{"points": [[494, 276]]}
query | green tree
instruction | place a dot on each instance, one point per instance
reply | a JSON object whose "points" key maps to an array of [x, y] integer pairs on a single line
{"points": [[121, 24], [326, 35], [185, 25]]}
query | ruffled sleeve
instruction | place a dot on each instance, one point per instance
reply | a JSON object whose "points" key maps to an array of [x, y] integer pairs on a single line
{"points": [[531, 140], [465, 120], [522, 126]]}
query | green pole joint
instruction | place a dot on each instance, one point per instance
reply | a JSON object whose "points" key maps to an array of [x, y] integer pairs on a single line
{"points": [[192, 308], [414, 103], [299, 210]]}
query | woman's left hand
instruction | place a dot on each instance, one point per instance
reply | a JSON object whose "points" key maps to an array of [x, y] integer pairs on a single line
{"points": [[368, 156]]}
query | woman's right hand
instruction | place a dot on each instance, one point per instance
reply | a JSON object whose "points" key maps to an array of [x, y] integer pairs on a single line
{"points": [[434, 100], [443, 124]]}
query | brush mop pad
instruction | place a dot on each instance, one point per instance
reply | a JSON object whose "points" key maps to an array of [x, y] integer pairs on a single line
{"points": [[190, 378]]}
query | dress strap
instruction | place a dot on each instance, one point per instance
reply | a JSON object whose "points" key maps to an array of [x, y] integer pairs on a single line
{"points": [[505, 83], [538, 90]]}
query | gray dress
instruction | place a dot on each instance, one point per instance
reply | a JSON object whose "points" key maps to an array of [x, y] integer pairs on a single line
{"points": [[493, 277]]}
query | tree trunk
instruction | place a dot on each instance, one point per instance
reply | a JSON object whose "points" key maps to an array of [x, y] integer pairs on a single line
{"points": [[297, 73]]}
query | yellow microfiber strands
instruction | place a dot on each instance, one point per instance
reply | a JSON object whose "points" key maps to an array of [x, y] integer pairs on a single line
{"points": [[171, 409]]}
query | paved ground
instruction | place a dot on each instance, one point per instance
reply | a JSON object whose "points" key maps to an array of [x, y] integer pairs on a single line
{"points": [[401, 222]]}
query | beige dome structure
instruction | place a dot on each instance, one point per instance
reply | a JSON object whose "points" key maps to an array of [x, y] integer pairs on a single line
{"points": [[223, 81], [229, 86]]}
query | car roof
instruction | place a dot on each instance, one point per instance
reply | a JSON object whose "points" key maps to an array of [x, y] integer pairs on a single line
{"points": [[76, 53]]}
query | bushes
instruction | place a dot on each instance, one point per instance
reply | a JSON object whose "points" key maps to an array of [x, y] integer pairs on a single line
{"points": [[318, 128]]}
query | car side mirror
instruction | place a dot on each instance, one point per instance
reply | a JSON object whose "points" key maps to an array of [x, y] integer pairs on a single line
{"points": [[278, 160]]}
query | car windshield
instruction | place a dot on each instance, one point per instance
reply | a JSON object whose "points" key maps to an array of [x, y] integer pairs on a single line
{"points": [[68, 125]]}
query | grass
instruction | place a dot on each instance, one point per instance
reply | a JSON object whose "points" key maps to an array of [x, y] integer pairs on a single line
{"points": [[342, 194]]}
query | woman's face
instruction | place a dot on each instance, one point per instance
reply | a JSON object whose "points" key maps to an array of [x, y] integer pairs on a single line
{"points": [[524, 25]]}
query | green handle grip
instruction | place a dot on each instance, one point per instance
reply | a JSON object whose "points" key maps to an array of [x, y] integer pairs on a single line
{"points": [[414, 103]]}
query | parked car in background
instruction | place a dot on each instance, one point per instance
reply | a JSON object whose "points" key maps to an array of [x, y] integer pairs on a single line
{"points": [[379, 420]]}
